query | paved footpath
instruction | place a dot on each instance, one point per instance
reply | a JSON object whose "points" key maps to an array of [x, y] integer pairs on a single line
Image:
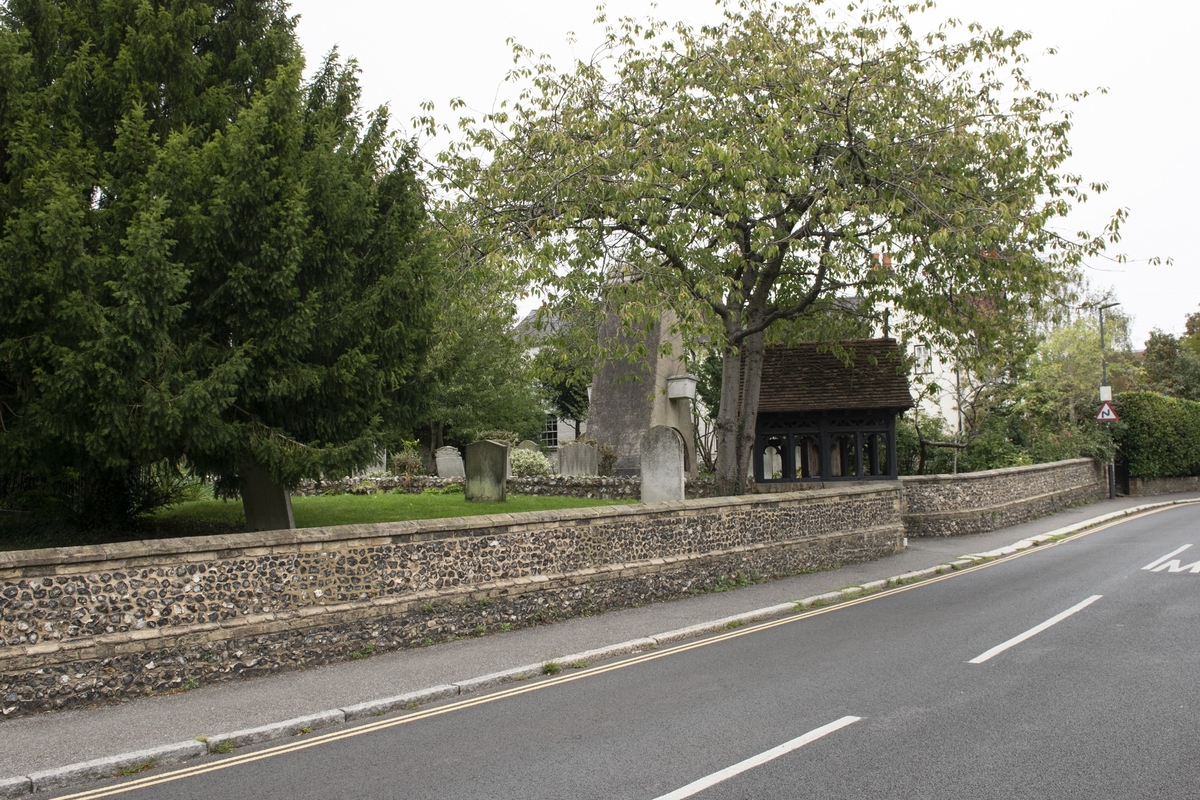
{"points": [[29, 745]]}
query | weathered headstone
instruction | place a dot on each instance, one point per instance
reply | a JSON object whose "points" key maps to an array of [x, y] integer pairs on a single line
{"points": [[449, 463], [267, 504], [578, 458], [487, 468], [529, 445], [662, 458]]}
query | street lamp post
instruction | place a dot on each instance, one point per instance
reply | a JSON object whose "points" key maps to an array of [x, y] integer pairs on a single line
{"points": [[1105, 396]]}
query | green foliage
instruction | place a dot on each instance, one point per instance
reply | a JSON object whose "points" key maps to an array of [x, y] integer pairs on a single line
{"points": [[529, 463], [938, 460], [1159, 435], [510, 438], [407, 462], [566, 353], [200, 257], [744, 173], [450, 488], [1172, 365], [477, 372]]}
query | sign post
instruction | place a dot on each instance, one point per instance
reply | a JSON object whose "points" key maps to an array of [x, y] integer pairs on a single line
{"points": [[1108, 417]]}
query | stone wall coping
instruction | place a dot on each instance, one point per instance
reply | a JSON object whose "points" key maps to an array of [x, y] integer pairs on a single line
{"points": [[993, 473], [229, 545], [151, 639]]}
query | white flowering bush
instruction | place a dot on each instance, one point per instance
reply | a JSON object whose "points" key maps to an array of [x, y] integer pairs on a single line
{"points": [[528, 463]]}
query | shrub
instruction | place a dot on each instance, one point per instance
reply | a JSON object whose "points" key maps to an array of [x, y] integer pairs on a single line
{"points": [[528, 463], [1159, 435], [407, 462], [507, 437]]}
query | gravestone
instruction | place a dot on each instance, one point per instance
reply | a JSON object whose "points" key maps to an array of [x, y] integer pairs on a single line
{"points": [[267, 504], [662, 459], [578, 458], [529, 445], [487, 468], [449, 463]]}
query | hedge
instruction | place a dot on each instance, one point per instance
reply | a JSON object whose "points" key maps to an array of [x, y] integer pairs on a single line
{"points": [[1159, 435]]}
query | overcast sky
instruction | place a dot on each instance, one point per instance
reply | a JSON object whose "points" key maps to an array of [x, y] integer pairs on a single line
{"points": [[1140, 138]]}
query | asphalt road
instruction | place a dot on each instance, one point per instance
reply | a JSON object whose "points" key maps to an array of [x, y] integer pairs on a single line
{"points": [[873, 698]]}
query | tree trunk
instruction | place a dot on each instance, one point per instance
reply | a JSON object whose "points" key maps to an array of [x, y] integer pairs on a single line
{"points": [[748, 418], [738, 414], [435, 437], [726, 425]]}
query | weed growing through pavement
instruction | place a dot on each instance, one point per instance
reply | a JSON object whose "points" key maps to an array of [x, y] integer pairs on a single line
{"points": [[223, 747], [582, 663], [737, 623], [506, 626], [369, 649], [305, 729], [551, 668], [192, 682], [411, 705], [125, 772]]}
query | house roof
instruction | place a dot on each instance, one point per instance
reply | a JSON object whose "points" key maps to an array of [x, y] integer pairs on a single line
{"points": [[802, 378]]}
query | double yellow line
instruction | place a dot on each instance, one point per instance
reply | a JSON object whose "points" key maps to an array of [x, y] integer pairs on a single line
{"points": [[417, 716]]}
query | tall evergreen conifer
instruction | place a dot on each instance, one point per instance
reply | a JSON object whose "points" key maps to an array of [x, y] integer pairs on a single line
{"points": [[202, 259]]}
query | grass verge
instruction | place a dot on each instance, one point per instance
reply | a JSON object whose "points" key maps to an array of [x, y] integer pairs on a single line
{"points": [[214, 517]]}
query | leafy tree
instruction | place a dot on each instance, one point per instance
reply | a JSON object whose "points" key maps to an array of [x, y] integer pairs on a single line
{"points": [[1172, 365], [565, 345], [477, 376], [742, 174], [202, 260]]}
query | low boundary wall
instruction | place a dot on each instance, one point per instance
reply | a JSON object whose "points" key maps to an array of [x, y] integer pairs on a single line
{"points": [[1152, 487], [977, 502], [90, 624]]}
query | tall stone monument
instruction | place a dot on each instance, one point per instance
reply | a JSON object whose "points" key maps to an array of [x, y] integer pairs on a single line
{"points": [[630, 397], [267, 504], [487, 468], [662, 454]]}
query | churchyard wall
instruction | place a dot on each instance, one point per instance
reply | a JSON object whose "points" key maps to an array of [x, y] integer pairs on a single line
{"points": [[976, 502], [92, 624]]}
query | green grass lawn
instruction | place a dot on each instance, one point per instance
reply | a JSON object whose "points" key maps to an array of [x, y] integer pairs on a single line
{"points": [[346, 509], [208, 517]]}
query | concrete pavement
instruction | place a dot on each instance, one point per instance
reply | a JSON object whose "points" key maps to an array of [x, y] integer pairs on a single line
{"points": [[41, 746]]}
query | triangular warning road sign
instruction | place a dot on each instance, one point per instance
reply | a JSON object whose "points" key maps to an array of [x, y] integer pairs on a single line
{"points": [[1106, 413]]}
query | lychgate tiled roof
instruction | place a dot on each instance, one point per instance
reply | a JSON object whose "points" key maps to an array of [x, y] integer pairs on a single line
{"points": [[802, 378]]}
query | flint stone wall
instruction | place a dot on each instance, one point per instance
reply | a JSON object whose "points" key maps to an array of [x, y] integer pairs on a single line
{"points": [[977, 502], [91, 624]]}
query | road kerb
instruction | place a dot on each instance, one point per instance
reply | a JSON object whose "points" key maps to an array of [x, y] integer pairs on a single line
{"points": [[83, 772], [224, 742], [375, 708], [112, 766], [16, 787]]}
